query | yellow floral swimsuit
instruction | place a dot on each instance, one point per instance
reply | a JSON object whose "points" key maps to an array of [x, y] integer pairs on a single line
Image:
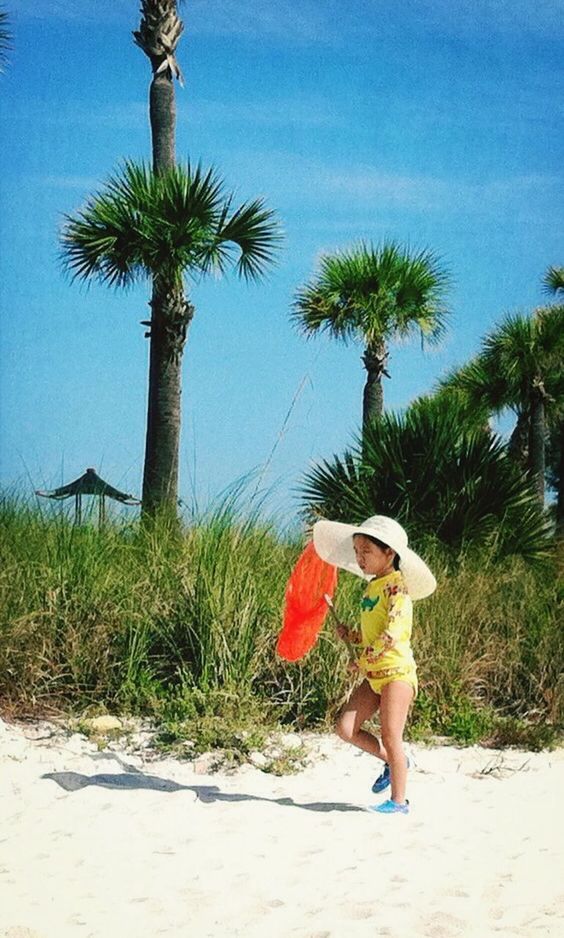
{"points": [[386, 609]]}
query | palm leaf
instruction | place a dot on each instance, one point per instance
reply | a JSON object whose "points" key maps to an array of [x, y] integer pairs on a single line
{"points": [[164, 225], [520, 351], [5, 39], [438, 476], [553, 280], [373, 293], [252, 228]]}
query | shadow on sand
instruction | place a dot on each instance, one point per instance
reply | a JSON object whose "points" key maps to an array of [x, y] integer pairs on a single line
{"points": [[132, 779]]}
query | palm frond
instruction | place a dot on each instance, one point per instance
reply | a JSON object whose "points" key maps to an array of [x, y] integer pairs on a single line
{"points": [[253, 229], [159, 34], [524, 350], [5, 39], [145, 224], [437, 476], [553, 280], [480, 383], [375, 293]]}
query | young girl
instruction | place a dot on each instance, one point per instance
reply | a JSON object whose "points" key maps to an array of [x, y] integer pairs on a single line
{"points": [[377, 550]]}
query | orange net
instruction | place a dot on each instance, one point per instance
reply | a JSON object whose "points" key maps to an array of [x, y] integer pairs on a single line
{"points": [[305, 608]]}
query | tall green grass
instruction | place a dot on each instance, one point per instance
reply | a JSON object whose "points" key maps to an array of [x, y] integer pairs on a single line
{"points": [[182, 625]]}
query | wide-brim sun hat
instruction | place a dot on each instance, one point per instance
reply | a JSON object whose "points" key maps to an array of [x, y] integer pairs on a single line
{"points": [[333, 542]]}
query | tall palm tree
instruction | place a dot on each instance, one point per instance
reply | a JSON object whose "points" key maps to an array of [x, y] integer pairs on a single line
{"points": [[553, 283], [375, 295], [5, 39], [162, 226], [519, 366], [158, 36]]}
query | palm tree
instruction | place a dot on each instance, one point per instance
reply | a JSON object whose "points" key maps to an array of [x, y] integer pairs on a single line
{"points": [[375, 295], [5, 39], [454, 391], [440, 476], [158, 36], [553, 283], [519, 366], [161, 226]]}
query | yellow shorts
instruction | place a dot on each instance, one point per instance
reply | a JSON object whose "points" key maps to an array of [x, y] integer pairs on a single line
{"points": [[379, 679]]}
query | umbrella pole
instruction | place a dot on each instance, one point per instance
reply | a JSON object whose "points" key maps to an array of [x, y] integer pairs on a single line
{"points": [[101, 511], [77, 509]]}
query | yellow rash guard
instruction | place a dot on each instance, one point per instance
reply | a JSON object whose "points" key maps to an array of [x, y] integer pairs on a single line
{"points": [[386, 608]]}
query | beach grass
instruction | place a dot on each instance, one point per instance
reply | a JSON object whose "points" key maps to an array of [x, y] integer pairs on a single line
{"points": [[181, 626]]}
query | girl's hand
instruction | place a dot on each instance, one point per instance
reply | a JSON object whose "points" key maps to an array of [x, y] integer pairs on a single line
{"points": [[342, 630]]}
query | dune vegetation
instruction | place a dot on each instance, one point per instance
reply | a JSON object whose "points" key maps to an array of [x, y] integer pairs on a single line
{"points": [[181, 626]]}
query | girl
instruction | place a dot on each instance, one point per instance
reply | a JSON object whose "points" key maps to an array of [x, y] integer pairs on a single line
{"points": [[377, 551]]}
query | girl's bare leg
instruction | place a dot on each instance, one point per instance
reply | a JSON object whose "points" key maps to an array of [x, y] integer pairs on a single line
{"points": [[395, 701], [362, 705]]}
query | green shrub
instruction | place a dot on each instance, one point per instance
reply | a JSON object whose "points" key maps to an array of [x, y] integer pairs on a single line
{"points": [[434, 472], [182, 626]]}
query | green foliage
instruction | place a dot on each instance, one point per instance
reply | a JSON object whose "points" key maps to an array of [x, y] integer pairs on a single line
{"points": [[370, 293], [145, 224], [468, 723], [182, 626], [193, 722], [553, 281], [525, 734], [554, 460], [5, 39], [434, 473], [521, 353], [455, 716]]}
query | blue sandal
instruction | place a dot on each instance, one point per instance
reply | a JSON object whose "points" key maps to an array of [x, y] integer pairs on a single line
{"points": [[390, 807], [384, 779]]}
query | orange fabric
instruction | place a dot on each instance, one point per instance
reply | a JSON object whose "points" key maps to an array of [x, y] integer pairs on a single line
{"points": [[305, 608]]}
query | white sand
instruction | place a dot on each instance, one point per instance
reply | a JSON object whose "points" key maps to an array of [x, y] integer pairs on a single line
{"points": [[112, 847]]}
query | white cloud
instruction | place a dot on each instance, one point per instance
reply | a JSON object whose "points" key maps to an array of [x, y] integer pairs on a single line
{"points": [[431, 193], [365, 187]]}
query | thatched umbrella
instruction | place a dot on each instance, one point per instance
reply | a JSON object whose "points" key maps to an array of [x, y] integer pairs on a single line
{"points": [[90, 484]]}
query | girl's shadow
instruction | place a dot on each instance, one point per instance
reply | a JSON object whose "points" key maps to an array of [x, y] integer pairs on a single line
{"points": [[133, 779]]}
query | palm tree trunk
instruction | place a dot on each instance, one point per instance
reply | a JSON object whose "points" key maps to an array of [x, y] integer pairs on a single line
{"points": [[162, 441], [537, 440], [171, 316], [519, 441], [560, 495], [162, 115], [374, 358], [170, 313]]}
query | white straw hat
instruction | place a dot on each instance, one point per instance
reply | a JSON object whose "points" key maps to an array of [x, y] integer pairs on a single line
{"points": [[333, 542]]}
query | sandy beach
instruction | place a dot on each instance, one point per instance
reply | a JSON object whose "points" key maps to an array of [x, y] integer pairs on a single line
{"points": [[103, 843]]}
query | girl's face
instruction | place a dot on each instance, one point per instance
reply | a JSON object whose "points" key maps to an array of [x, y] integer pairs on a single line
{"points": [[372, 559]]}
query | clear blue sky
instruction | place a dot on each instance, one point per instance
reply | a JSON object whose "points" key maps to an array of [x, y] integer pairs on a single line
{"points": [[435, 123]]}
